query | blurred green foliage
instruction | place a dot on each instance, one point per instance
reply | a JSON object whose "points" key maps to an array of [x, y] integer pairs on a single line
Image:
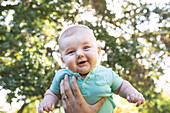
{"points": [[134, 50], [159, 105]]}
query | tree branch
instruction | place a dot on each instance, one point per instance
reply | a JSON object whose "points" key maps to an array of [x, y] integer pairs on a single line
{"points": [[26, 104], [7, 7]]}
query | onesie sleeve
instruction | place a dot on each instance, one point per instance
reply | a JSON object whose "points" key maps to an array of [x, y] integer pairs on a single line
{"points": [[116, 82], [55, 86]]}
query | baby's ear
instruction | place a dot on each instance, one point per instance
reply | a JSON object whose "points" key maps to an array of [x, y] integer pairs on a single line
{"points": [[62, 59], [99, 50]]}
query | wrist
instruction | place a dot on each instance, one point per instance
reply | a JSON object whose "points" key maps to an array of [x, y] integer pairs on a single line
{"points": [[129, 90], [126, 89], [49, 95]]}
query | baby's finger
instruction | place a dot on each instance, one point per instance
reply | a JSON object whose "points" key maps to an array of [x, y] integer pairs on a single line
{"points": [[143, 100], [128, 98], [49, 106], [52, 107], [139, 102], [46, 108], [132, 97], [40, 109], [136, 98]]}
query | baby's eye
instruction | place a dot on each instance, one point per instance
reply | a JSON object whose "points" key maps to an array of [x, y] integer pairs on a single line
{"points": [[86, 47], [70, 52]]}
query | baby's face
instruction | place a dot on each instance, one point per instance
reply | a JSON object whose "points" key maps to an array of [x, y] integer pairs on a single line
{"points": [[79, 52]]}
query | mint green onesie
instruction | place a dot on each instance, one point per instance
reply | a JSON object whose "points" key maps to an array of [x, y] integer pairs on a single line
{"points": [[100, 82]]}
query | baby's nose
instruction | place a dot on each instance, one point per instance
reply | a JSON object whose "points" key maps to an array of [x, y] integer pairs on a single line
{"points": [[80, 54]]}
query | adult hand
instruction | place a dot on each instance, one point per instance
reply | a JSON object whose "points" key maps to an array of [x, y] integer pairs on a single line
{"points": [[75, 102]]}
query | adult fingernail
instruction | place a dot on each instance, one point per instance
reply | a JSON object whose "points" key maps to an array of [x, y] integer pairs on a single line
{"points": [[65, 76]]}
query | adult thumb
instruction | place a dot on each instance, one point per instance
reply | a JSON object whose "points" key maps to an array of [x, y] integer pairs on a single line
{"points": [[99, 103]]}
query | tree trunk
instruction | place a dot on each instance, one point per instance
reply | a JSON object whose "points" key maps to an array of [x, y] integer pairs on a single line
{"points": [[26, 104], [22, 108]]}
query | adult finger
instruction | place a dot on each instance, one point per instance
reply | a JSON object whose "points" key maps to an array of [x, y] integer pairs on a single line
{"points": [[67, 88], [67, 106], [99, 103], [63, 95], [62, 89], [64, 105], [76, 90]]}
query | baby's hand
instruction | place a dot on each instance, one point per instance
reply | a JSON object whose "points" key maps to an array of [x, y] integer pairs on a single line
{"points": [[46, 105], [136, 97]]}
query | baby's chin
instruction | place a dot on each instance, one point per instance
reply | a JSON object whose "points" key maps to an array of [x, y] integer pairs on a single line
{"points": [[82, 73], [77, 71]]}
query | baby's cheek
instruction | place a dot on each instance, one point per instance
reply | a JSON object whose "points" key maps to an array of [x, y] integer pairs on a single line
{"points": [[69, 61], [72, 67]]}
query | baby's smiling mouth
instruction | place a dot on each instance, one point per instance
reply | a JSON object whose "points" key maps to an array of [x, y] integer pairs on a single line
{"points": [[82, 62]]}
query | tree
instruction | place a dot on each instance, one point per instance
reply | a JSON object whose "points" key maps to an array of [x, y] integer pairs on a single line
{"points": [[138, 50], [27, 65]]}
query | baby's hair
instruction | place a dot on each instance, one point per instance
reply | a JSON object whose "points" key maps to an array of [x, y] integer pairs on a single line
{"points": [[73, 29]]}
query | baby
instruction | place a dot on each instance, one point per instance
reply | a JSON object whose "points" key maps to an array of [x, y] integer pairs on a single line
{"points": [[80, 53]]}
